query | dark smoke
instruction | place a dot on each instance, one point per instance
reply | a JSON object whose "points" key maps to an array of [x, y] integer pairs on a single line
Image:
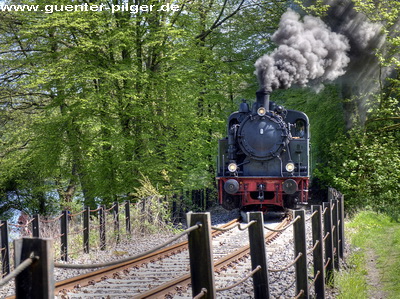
{"points": [[365, 74], [366, 39], [307, 51]]}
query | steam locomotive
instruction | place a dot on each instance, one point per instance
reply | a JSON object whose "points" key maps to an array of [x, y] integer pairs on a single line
{"points": [[263, 164]]}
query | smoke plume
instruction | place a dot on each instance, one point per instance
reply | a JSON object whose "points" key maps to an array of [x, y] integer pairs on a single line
{"points": [[365, 74], [308, 51], [364, 36], [366, 39]]}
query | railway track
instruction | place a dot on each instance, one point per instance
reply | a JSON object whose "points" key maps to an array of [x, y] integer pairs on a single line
{"points": [[156, 275], [174, 256]]}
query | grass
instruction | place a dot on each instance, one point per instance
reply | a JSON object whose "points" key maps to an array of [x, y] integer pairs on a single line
{"points": [[371, 233], [352, 283]]}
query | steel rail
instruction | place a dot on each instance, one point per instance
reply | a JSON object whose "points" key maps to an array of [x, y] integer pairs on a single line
{"points": [[93, 277], [98, 275], [169, 288]]}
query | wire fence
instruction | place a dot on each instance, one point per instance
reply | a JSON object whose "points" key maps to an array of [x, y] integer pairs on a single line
{"points": [[327, 239], [79, 232], [327, 249]]}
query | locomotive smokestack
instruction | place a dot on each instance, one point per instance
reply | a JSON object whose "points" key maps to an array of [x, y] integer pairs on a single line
{"points": [[263, 98]]}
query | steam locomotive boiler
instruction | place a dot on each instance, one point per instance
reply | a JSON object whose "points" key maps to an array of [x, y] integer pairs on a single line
{"points": [[263, 164]]}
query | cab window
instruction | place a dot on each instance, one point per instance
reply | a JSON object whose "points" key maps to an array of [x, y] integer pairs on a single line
{"points": [[299, 129]]}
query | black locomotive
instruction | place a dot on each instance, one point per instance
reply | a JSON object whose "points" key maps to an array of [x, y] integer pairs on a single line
{"points": [[263, 164]]}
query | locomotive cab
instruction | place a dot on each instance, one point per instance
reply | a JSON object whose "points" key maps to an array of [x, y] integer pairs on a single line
{"points": [[263, 163]]}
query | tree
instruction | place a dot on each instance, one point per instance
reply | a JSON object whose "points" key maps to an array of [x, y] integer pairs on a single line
{"points": [[361, 161], [99, 97]]}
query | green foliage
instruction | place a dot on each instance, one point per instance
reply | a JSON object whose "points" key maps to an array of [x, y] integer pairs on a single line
{"points": [[89, 100], [357, 151], [362, 167], [93, 99], [386, 11], [317, 9], [151, 212]]}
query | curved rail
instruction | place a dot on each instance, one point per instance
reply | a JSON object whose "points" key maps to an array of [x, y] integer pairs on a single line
{"points": [[220, 264], [166, 288], [96, 276]]}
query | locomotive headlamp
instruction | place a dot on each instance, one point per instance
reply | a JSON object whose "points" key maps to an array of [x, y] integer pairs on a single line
{"points": [[290, 167], [232, 167], [261, 111]]}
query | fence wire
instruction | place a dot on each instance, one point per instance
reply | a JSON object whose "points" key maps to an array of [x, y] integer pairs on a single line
{"points": [[284, 228], [128, 259], [238, 225], [201, 294], [251, 274], [21, 267], [289, 265]]}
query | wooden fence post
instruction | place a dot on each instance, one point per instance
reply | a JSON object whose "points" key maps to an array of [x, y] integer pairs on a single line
{"points": [[64, 236], [341, 226], [258, 255], [116, 221], [127, 217], [86, 229], [300, 247], [330, 194], [36, 226], [328, 241], [37, 281], [200, 254], [335, 233], [318, 254], [5, 248], [102, 222]]}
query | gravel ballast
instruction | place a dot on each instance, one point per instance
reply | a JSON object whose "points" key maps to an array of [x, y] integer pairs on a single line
{"points": [[279, 253]]}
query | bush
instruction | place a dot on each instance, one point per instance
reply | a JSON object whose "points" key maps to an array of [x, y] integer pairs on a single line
{"points": [[151, 212], [364, 166]]}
